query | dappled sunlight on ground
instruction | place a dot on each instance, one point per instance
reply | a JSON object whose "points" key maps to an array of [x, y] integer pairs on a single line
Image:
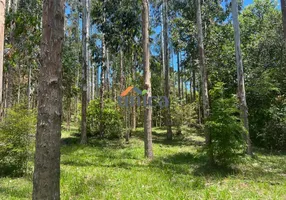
{"points": [[113, 169]]}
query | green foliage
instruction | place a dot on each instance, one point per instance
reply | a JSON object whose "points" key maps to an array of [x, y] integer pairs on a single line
{"points": [[267, 107], [225, 127], [16, 132], [183, 115], [111, 119]]}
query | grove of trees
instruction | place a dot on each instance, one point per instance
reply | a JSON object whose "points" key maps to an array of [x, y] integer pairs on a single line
{"points": [[220, 64]]}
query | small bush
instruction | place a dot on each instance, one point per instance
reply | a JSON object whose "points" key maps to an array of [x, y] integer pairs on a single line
{"points": [[111, 119], [226, 129], [183, 115], [16, 132], [267, 114]]}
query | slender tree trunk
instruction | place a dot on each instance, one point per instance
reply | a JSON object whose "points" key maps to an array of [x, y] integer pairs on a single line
{"points": [[133, 117], [69, 115], [2, 41], [84, 72], [19, 84], [147, 80], [5, 93], [96, 81], [204, 80], [199, 104], [121, 70], [92, 82], [240, 75], [10, 69], [76, 24], [102, 88], [29, 87], [182, 78], [114, 78], [186, 92], [107, 72], [179, 75], [166, 62], [46, 183], [163, 26], [194, 84], [10, 84], [283, 8], [87, 11]]}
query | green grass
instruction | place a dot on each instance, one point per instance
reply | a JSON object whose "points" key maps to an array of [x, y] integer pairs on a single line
{"points": [[116, 170]]}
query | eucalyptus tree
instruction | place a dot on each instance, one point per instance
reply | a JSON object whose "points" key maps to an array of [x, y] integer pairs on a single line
{"points": [[204, 80], [2, 28], [46, 182], [85, 36], [166, 67], [120, 32], [240, 75], [147, 80]]}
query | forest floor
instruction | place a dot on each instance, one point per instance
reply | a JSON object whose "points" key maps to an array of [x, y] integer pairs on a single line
{"points": [[116, 170]]}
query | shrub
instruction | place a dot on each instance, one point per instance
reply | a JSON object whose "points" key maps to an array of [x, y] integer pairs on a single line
{"points": [[183, 115], [16, 132], [267, 113], [111, 119], [226, 129]]}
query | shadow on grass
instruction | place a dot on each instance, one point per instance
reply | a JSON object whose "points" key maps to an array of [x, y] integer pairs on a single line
{"points": [[195, 164], [186, 163], [102, 163], [159, 137], [69, 141], [268, 152]]}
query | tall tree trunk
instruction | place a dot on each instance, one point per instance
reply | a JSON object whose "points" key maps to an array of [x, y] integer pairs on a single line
{"points": [[84, 72], [19, 84], [96, 81], [102, 87], [240, 75], [121, 70], [147, 81], [107, 72], [166, 62], [283, 8], [29, 87], [87, 11], [2, 41], [76, 24], [46, 183], [182, 78], [92, 82], [10, 84], [179, 75], [69, 114], [163, 26], [10, 68], [204, 80], [194, 84], [133, 117]]}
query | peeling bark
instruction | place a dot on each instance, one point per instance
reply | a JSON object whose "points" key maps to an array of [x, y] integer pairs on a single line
{"points": [[240, 75]]}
